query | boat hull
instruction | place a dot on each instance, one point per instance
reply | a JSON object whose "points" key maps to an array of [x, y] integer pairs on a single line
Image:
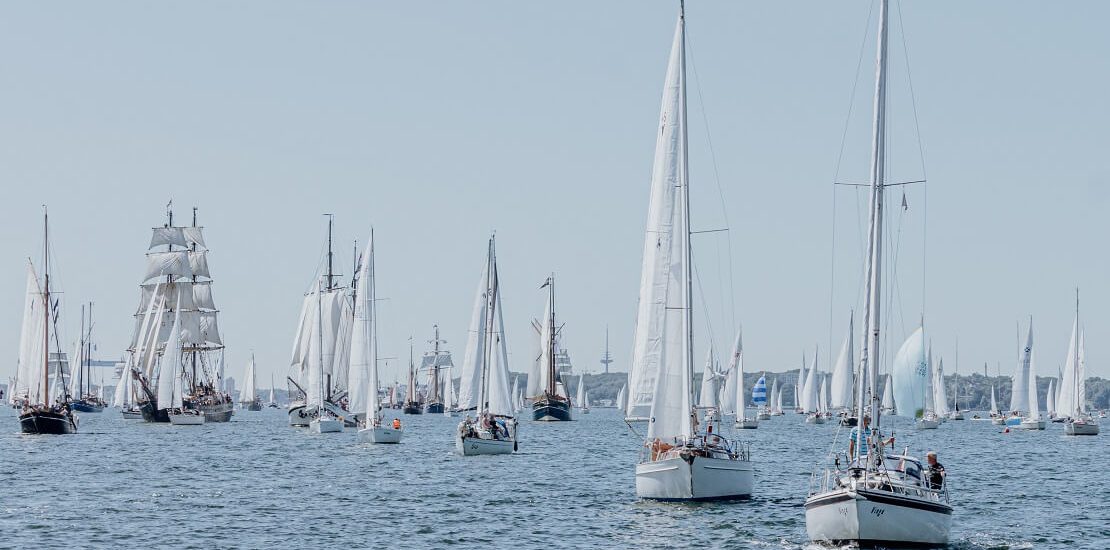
{"points": [[301, 416], [187, 419], [473, 446], [217, 412], [695, 478], [746, 424], [434, 408], [1080, 428], [85, 407], [763, 416], [380, 434], [998, 421], [876, 519], [325, 426], [47, 423], [150, 414], [412, 408], [922, 424], [253, 406], [1031, 424], [815, 419], [132, 415], [551, 410]]}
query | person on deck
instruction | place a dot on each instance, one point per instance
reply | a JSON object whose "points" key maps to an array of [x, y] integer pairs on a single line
{"points": [[866, 435], [936, 471]]}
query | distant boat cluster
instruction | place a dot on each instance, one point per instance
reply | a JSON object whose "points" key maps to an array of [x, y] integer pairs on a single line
{"points": [[868, 493]]}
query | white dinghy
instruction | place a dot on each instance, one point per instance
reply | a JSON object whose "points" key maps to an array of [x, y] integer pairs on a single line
{"points": [[677, 461], [364, 357], [486, 368], [877, 498]]}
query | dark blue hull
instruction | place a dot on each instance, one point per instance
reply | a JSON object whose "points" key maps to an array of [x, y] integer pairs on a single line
{"points": [[551, 410], [433, 408], [82, 406]]}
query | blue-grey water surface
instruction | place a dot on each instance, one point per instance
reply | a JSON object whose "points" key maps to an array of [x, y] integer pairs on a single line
{"points": [[257, 483]]}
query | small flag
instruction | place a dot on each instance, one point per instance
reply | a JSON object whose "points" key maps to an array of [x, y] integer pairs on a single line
{"points": [[905, 205]]}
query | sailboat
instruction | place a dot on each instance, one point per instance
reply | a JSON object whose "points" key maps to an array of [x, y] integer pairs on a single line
{"points": [[248, 396], [740, 397], [325, 321], [929, 419], [876, 498], [840, 398], [412, 404], [39, 414], [180, 276], [810, 396], [364, 355], [678, 461], [1033, 420], [1073, 382], [273, 402], [956, 413], [1019, 390], [622, 397], [776, 399], [486, 374], [759, 398], [1050, 399], [583, 402], [84, 398], [124, 397], [171, 376], [551, 405], [324, 420], [450, 401], [435, 361]]}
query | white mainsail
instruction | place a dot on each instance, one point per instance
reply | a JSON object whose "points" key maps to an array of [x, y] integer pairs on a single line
{"points": [[249, 392], [1034, 401], [32, 355], [1019, 390], [994, 402], [709, 390], [842, 383], [496, 392], [170, 370], [1050, 398], [622, 397], [1070, 403], [732, 399], [471, 373], [809, 389], [362, 380], [909, 375], [580, 395], [940, 394], [657, 278]]}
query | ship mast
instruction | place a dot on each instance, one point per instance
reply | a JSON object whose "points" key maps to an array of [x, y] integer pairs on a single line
{"points": [[46, 303], [551, 342]]}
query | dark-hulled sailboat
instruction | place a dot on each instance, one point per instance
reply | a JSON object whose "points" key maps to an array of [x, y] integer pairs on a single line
{"points": [[39, 414], [434, 362], [85, 400], [412, 403], [550, 405]]}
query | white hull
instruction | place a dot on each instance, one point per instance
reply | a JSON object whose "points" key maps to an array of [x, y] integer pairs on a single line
{"points": [[701, 479], [923, 424], [815, 419], [1031, 424], [298, 417], [843, 516], [998, 421], [763, 416], [1080, 428], [380, 434], [472, 446], [584, 411], [325, 426], [746, 424], [187, 419]]}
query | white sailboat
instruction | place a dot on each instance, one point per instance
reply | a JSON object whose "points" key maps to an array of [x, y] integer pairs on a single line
{"points": [[1019, 390], [273, 402], [325, 322], [323, 421], [956, 413], [364, 355], [678, 461], [929, 419], [876, 498], [1073, 382], [248, 396], [740, 397], [810, 396], [840, 387], [776, 399], [622, 397], [583, 403], [486, 365], [1050, 399], [1033, 420]]}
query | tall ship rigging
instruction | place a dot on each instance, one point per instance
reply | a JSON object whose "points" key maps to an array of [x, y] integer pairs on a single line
{"points": [[437, 362], [321, 347], [177, 289], [40, 356], [412, 403], [552, 404]]}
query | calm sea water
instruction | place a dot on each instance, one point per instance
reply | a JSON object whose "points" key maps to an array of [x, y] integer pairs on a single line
{"points": [[256, 483]]}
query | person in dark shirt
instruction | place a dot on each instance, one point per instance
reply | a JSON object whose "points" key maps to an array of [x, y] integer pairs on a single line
{"points": [[936, 471]]}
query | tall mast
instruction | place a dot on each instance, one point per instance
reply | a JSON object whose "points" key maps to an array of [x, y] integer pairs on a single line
{"points": [[875, 233], [81, 357], [46, 302], [435, 365], [1078, 405], [684, 194], [331, 275], [551, 347], [491, 303], [606, 359]]}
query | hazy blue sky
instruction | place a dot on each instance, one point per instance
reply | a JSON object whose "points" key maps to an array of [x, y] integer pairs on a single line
{"points": [[437, 122]]}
